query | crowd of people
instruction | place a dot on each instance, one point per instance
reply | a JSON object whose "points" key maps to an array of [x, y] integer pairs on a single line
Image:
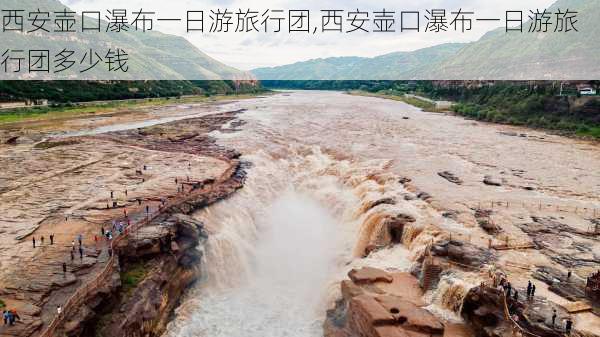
{"points": [[10, 316], [118, 227], [51, 236], [503, 285]]}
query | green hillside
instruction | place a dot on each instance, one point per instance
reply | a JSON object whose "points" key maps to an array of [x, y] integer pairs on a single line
{"points": [[514, 55], [497, 55], [152, 55], [84, 91], [397, 65]]}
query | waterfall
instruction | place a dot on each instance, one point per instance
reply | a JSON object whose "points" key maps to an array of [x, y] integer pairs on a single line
{"points": [[278, 248], [447, 299], [273, 252]]}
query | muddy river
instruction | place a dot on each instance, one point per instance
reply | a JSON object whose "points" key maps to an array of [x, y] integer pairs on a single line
{"points": [[278, 248], [327, 171]]}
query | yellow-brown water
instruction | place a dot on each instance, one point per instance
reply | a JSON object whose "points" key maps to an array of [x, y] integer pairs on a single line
{"points": [[277, 248]]}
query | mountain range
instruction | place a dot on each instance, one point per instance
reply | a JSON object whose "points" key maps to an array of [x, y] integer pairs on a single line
{"points": [[398, 65], [497, 55], [152, 55]]}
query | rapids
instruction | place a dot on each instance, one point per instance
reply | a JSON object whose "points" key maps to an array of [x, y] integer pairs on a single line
{"points": [[278, 248]]}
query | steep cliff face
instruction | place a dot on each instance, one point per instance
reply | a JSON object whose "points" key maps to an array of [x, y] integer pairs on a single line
{"points": [[171, 260]]}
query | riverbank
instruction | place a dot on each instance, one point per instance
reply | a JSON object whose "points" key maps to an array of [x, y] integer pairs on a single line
{"points": [[105, 108], [424, 104], [79, 187], [509, 104], [327, 193]]}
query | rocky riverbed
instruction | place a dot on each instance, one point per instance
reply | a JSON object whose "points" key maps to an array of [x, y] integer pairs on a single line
{"points": [[74, 187], [358, 217], [398, 183]]}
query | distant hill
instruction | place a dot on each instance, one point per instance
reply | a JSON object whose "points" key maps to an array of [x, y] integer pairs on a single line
{"points": [[398, 65], [528, 56], [84, 91], [152, 55], [497, 55]]}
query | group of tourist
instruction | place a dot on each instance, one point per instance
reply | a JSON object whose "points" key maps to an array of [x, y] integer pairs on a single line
{"points": [[80, 240], [10, 316], [530, 290], [510, 292], [42, 240], [513, 293], [118, 227]]}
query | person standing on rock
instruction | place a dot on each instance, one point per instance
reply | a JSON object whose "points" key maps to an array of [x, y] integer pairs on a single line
{"points": [[33, 242], [528, 289], [568, 326], [80, 253], [15, 314], [532, 291], [553, 318], [64, 269], [5, 316], [51, 239]]}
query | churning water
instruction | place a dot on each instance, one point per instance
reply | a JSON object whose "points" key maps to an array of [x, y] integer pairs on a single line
{"points": [[278, 248], [290, 268], [273, 252]]}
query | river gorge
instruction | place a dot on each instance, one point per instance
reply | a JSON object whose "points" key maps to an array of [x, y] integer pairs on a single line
{"points": [[321, 161], [341, 186]]}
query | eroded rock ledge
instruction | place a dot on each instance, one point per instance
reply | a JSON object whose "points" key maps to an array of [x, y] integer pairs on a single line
{"points": [[376, 303], [166, 253]]}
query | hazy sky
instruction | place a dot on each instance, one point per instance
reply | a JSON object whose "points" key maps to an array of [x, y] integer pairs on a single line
{"points": [[251, 50]]}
